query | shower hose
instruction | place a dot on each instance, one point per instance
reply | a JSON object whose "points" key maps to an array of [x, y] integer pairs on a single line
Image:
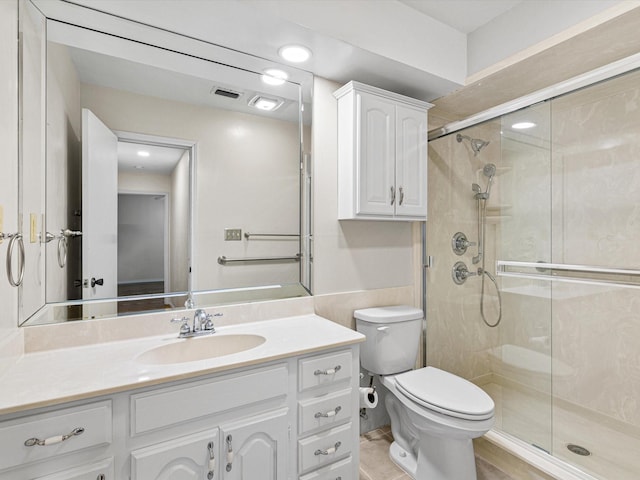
{"points": [[484, 273]]}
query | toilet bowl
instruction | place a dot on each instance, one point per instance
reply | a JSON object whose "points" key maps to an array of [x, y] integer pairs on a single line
{"points": [[435, 415]]}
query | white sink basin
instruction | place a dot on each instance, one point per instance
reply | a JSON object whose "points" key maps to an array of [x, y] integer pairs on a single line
{"points": [[200, 348]]}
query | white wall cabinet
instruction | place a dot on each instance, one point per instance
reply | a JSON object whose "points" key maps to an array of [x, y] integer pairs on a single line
{"points": [[293, 418], [382, 155]]}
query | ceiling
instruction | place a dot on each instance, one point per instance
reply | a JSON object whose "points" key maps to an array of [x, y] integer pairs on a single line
{"points": [[463, 15], [419, 48]]}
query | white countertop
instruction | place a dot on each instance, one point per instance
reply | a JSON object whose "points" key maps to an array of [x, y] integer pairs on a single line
{"points": [[57, 376]]}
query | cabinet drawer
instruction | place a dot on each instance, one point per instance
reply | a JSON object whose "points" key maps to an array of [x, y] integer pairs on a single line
{"points": [[324, 411], [85, 472], [175, 405], [94, 418], [323, 448], [342, 470], [324, 369]]}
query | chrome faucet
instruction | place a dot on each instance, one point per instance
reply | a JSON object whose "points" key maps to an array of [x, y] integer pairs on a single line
{"points": [[202, 324]]}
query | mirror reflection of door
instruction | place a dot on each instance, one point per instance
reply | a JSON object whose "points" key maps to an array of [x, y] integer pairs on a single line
{"points": [[135, 199], [99, 208]]}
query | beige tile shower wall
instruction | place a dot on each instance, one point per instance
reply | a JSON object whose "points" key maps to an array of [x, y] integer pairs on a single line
{"points": [[457, 339], [596, 205]]}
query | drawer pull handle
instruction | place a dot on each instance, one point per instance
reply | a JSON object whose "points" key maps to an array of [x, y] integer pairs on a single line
{"points": [[330, 371], [229, 454], [212, 461], [330, 413], [328, 451], [32, 442]]}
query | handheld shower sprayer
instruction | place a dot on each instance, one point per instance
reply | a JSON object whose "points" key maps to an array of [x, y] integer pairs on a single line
{"points": [[489, 171]]}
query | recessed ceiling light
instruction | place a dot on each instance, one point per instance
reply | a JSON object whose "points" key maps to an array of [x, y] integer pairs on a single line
{"points": [[143, 153], [295, 53], [265, 103], [273, 76], [523, 125]]}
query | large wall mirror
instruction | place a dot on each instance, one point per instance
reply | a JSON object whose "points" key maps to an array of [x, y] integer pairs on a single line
{"points": [[173, 170]]}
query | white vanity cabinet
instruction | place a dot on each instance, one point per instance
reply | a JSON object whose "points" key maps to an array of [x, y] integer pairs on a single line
{"points": [[292, 418], [382, 155], [256, 447], [188, 457], [40, 446], [327, 416]]}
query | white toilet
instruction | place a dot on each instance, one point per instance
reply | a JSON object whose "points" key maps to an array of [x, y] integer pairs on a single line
{"points": [[434, 414]]}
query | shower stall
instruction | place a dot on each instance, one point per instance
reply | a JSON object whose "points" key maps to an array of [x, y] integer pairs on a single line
{"points": [[534, 288]]}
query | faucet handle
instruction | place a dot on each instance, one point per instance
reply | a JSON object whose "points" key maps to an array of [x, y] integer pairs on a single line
{"points": [[184, 328], [208, 324]]}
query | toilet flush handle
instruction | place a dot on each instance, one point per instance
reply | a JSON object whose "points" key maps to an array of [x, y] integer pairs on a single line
{"points": [[383, 329]]}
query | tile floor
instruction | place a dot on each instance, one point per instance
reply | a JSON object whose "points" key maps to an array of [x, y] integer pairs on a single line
{"points": [[375, 463]]}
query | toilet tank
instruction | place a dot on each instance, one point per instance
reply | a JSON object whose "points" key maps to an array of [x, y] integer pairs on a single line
{"points": [[393, 338]]}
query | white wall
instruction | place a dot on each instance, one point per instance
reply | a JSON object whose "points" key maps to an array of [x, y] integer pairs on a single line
{"points": [[525, 25], [141, 222], [9, 142], [64, 190], [179, 215], [32, 151], [349, 255]]}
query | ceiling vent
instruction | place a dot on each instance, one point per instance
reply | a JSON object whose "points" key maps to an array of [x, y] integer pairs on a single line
{"points": [[226, 92]]}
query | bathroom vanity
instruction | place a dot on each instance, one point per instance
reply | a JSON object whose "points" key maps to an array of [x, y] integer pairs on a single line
{"points": [[286, 408]]}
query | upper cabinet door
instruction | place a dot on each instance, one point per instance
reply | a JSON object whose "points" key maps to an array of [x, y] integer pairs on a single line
{"points": [[411, 162], [375, 165], [382, 155]]}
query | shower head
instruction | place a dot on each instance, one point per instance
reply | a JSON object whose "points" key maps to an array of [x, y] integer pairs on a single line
{"points": [[476, 143]]}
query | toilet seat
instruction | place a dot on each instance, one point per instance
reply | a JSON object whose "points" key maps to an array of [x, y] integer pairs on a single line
{"points": [[445, 393]]}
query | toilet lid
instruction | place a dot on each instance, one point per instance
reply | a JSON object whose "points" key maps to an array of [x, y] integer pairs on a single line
{"points": [[445, 393]]}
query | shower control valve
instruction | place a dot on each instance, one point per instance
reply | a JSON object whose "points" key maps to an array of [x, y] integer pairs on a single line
{"points": [[460, 273], [460, 243]]}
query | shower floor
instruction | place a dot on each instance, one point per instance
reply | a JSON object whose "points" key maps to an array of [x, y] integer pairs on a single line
{"points": [[530, 416]]}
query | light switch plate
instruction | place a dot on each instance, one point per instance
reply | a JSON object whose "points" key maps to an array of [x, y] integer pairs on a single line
{"points": [[233, 234]]}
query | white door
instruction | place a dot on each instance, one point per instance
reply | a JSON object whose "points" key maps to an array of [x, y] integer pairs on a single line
{"points": [[376, 128], [411, 162], [192, 457], [99, 208], [256, 448]]}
